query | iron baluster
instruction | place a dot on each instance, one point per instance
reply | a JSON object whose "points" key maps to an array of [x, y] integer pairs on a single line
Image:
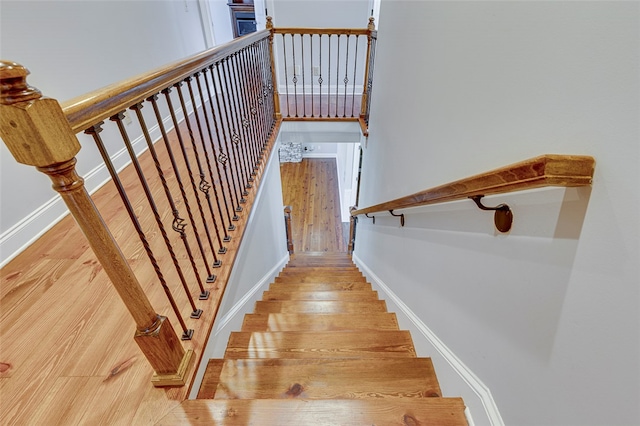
{"points": [[94, 131], [204, 185]]}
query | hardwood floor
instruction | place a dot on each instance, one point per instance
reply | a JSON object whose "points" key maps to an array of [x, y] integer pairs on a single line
{"points": [[311, 189]]}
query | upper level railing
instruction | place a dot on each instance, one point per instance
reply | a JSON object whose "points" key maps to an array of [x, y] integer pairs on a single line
{"points": [[197, 134], [545, 170], [325, 73]]}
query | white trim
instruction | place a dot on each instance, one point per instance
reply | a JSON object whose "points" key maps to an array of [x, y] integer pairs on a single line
{"points": [[320, 155], [474, 383], [237, 307], [207, 24]]}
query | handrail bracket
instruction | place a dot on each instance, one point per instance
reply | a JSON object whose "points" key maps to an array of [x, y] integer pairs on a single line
{"points": [[503, 216], [401, 216]]}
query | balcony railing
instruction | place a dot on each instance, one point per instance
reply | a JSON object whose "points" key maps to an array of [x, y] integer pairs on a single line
{"points": [[197, 134]]}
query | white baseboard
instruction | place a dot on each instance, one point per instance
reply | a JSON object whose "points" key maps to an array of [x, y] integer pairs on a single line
{"points": [[239, 306], [472, 381]]}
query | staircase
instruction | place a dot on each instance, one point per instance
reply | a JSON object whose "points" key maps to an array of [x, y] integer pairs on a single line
{"points": [[320, 349]]}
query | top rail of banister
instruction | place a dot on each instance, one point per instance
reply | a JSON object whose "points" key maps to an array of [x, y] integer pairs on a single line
{"points": [[541, 171], [322, 31], [91, 108]]}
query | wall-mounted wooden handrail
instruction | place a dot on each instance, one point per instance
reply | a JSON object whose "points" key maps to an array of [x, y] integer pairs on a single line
{"points": [[545, 170], [84, 111]]}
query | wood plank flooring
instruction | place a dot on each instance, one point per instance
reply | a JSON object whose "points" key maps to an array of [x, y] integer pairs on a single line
{"points": [[311, 189]]}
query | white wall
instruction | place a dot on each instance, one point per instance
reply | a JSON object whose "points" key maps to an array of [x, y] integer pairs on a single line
{"points": [[71, 48], [221, 21], [263, 254], [546, 316]]}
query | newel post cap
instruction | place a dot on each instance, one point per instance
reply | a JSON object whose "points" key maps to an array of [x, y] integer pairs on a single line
{"points": [[34, 128]]}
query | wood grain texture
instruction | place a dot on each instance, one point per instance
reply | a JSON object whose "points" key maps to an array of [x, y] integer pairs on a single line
{"points": [[353, 296], [311, 189], [308, 357], [319, 322], [320, 344], [544, 170], [414, 411], [338, 286], [327, 379], [320, 306]]}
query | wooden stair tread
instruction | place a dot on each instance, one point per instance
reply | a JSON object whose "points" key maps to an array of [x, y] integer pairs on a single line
{"points": [[320, 344], [290, 412], [319, 322], [320, 348], [293, 294], [321, 379], [345, 286], [320, 306], [321, 270], [320, 279]]}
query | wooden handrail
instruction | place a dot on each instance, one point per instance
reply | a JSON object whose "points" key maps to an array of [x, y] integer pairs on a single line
{"points": [[545, 170], [84, 111], [319, 31]]}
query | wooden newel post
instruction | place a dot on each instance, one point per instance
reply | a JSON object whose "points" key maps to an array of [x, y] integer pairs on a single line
{"points": [[38, 134], [276, 96], [364, 113], [353, 222]]}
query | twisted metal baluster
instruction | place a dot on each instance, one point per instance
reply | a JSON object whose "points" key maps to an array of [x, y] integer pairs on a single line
{"points": [[304, 94], [204, 185], [337, 74], [221, 156], [329, 81], [346, 78], [295, 77], [178, 224], [241, 112], [255, 97], [228, 123], [355, 68], [237, 137], [138, 109], [286, 74], [213, 148], [311, 67], [206, 157], [94, 132], [320, 81]]}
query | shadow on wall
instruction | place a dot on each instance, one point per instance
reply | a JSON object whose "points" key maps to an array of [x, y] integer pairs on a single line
{"points": [[469, 267]]}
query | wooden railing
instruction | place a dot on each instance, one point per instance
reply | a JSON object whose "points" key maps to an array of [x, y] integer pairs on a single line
{"points": [[197, 133], [215, 117], [325, 73], [545, 170], [288, 228]]}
